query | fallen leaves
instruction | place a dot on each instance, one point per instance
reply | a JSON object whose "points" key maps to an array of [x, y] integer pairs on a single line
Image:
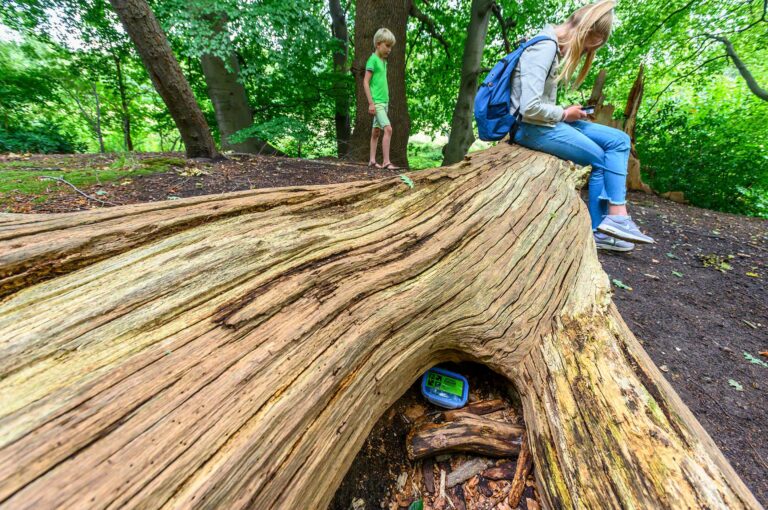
{"points": [[718, 262], [621, 285], [736, 385], [752, 359]]}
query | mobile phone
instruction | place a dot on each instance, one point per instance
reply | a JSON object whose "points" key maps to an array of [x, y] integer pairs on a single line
{"points": [[589, 110]]}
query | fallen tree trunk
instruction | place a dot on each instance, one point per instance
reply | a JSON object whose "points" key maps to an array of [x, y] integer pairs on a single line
{"points": [[234, 351]]}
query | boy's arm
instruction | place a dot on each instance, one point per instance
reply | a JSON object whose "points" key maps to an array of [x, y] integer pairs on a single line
{"points": [[367, 88]]}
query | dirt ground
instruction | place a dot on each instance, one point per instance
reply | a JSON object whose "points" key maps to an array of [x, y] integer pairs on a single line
{"points": [[698, 302]]}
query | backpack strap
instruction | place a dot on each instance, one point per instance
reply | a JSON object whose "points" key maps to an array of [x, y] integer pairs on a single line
{"points": [[525, 45]]}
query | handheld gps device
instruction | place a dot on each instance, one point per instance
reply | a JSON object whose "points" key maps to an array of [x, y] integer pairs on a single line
{"points": [[589, 110], [444, 388]]}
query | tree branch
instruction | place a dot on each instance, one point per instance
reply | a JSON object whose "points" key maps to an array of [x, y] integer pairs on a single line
{"points": [[496, 10], [59, 179], [763, 18], [658, 97], [751, 82], [664, 22], [431, 26]]}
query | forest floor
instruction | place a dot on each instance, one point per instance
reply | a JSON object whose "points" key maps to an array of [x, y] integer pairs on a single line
{"points": [[697, 300]]}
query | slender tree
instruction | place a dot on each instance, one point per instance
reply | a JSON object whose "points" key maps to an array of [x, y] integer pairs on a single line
{"points": [[124, 113], [370, 15], [341, 98], [153, 48], [462, 135]]}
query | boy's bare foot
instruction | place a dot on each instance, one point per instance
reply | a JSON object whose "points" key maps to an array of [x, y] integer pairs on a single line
{"points": [[389, 166], [373, 164]]}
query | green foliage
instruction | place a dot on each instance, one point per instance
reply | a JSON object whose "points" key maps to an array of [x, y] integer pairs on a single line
{"points": [[45, 140], [17, 180], [700, 130], [424, 155], [716, 155]]}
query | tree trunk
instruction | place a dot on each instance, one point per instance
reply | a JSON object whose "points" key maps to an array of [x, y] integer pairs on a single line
{"points": [[370, 15], [340, 95], [126, 116], [97, 126], [462, 135], [597, 98], [230, 100], [234, 351], [604, 115], [141, 25], [635, 99]]}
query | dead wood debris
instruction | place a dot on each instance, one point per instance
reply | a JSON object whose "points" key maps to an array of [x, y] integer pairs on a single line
{"points": [[446, 479]]}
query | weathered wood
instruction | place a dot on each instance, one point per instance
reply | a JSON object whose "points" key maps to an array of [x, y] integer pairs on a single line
{"points": [[522, 469], [466, 471], [467, 433], [479, 408], [235, 351], [427, 468], [604, 115], [597, 98], [505, 471], [633, 104]]}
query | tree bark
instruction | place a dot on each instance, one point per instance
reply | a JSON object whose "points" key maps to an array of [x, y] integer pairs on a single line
{"points": [[596, 98], [340, 93], [125, 114], [370, 15], [462, 135], [752, 84], [141, 25], [230, 99], [234, 351], [98, 118]]}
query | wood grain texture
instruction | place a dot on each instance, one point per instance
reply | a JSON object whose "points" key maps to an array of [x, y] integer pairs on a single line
{"points": [[235, 351], [466, 433]]}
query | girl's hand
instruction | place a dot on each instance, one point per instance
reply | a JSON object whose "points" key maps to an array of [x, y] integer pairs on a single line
{"points": [[372, 109], [574, 113]]}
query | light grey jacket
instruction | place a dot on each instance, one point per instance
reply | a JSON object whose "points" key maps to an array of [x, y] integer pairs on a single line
{"points": [[534, 82]]}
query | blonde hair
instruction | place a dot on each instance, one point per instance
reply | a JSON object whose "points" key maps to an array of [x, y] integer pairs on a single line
{"points": [[383, 35], [593, 19]]}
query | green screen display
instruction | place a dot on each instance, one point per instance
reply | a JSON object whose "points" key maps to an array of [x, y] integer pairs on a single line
{"points": [[445, 383]]}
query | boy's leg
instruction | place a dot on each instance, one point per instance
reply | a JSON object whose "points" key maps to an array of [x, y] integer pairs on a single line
{"points": [[385, 141], [566, 142], [382, 119], [374, 143]]}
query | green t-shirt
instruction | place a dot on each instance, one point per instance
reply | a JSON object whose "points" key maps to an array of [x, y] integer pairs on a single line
{"points": [[379, 87]]}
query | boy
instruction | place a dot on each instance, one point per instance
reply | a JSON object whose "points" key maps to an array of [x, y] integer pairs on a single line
{"points": [[377, 92]]}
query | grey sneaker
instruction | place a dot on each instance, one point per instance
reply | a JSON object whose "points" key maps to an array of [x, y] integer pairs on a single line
{"points": [[622, 227], [606, 242]]}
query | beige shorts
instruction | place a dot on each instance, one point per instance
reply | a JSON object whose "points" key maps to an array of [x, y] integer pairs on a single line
{"points": [[381, 120]]}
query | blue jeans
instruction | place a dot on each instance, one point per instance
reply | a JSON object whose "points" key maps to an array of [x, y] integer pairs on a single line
{"points": [[586, 143]]}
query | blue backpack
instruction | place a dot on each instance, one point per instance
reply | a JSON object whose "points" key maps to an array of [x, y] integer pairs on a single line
{"points": [[493, 103]]}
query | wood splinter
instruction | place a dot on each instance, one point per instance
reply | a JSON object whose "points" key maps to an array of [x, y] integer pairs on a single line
{"points": [[524, 465], [479, 408], [467, 433]]}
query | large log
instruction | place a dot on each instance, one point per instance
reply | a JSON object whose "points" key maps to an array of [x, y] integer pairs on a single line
{"points": [[235, 351]]}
